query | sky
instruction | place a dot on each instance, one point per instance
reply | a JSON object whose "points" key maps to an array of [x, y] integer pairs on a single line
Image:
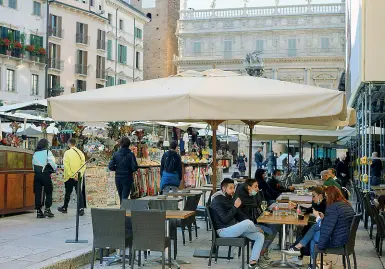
{"points": [[205, 4]]}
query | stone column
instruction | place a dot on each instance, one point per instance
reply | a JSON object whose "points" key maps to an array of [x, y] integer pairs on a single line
{"points": [[308, 76], [275, 73]]}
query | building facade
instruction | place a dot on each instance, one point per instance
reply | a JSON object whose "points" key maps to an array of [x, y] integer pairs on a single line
{"points": [[22, 74], [93, 44], [302, 43], [160, 41]]}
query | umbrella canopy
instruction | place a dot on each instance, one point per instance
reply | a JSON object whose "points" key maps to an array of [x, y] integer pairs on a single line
{"points": [[212, 95]]}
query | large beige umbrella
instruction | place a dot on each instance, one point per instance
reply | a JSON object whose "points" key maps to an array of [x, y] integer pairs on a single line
{"points": [[212, 96]]}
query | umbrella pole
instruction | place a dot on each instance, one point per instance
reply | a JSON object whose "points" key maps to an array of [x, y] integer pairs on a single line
{"points": [[214, 126], [288, 152], [251, 125], [300, 157]]}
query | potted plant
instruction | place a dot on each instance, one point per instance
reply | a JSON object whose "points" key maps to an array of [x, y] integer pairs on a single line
{"points": [[17, 45], [7, 44], [40, 52], [31, 50]]}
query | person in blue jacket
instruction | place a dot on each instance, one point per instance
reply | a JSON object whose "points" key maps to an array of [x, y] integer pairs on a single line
{"points": [[335, 227], [171, 169]]}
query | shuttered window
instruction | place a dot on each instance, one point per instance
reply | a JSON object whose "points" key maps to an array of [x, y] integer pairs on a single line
{"points": [[122, 54], [109, 50]]}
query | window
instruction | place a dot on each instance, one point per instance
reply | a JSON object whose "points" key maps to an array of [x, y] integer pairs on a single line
{"points": [[259, 45], [12, 4], [36, 8], [81, 85], [148, 3], [11, 80], [9, 33], [81, 65], [55, 27], [109, 50], [122, 81], [100, 67], [35, 84], [91, 3], [101, 42], [110, 81], [325, 43], [121, 25], [138, 33], [228, 49], [292, 47], [98, 86], [81, 33], [1, 2], [54, 56], [109, 18], [53, 82], [197, 48], [137, 60], [122, 54], [36, 40]]}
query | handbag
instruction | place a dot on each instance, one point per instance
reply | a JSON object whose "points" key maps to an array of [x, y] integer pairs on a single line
{"points": [[48, 167], [166, 143]]}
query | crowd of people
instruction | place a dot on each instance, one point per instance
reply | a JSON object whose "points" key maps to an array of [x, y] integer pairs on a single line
{"points": [[235, 211]]}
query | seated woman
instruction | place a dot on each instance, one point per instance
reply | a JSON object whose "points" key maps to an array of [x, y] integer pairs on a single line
{"points": [[269, 194], [251, 207], [336, 224]]}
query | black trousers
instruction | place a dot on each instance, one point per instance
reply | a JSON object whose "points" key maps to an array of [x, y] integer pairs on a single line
{"points": [[42, 180], [70, 185], [124, 188]]}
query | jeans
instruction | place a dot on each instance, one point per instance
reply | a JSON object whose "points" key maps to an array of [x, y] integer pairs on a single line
{"points": [[270, 232], [248, 229], [259, 165], [124, 188], [42, 180], [313, 233], [69, 185]]}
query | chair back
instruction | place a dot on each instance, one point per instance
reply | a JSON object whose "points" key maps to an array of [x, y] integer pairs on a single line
{"points": [[213, 230], [134, 204], [208, 203], [192, 202], [163, 204], [149, 228], [352, 234], [108, 226]]}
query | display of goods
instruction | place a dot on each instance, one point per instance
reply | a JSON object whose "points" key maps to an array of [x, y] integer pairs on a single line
{"points": [[143, 162], [140, 134], [146, 182], [195, 176], [93, 147], [193, 159]]}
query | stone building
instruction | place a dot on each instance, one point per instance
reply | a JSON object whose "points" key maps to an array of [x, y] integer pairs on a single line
{"points": [[160, 41], [299, 43]]}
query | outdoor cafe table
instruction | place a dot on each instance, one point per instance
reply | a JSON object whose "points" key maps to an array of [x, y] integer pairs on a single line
{"points": [[298, 199], [290, 220], [378, 188]]}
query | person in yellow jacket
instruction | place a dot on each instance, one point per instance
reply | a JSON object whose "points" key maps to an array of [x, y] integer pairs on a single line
{"points": [[73, 159]]}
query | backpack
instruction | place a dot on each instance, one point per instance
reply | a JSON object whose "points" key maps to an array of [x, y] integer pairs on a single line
{"points": [[169, 165]]}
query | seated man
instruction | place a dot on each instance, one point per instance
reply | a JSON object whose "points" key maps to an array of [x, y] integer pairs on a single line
{"points": [[328, 180], [274, 183], [229, 221], [269, 194], [251, 207]]}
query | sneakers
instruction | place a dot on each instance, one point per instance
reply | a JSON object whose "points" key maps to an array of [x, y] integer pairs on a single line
{"points": [[48, 213], [292, 251], [266, 256], [295, 260], [62, 209], [81, 212], [253, 266], [39, 214]]}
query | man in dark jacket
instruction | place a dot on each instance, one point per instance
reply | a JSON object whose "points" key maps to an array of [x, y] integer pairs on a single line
{"points": [[342, 172], [376, 170], [275, 184], [269, 194], [124, 164], [229, 221], [259, 158], [171, 169]]}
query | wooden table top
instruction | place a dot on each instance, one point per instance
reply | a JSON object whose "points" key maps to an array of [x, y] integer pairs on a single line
{"points": [[161, 199], [203, 189], [172, 214], [379, 192], [377, 188], [299, 199], [182, 194], [283, 220]]}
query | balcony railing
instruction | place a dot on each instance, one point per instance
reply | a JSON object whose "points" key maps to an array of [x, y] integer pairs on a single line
{"points": [[81, 69], [100, 73], [55, 31], [55, 64], [101, 45], [82, 39], [263, 11]]}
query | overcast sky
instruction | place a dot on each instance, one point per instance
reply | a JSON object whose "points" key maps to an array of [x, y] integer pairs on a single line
{"points": [[205, 4]]}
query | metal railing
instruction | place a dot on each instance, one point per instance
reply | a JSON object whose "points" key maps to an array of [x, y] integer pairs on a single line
{"points": [[56, 64], [101, 73], [101, 45], [81, 69], [275, 53], [82, 39], [263, 11], [55, 31]]}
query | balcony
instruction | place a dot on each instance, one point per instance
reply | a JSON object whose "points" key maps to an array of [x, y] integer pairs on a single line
{"points": [[82, 39], [18, 55], [55, 32], [56, 64], [81, 69], [101, 45], [101, 74]]}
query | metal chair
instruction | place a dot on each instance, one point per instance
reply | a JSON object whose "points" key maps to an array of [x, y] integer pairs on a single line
{"points": [[346, 250], [190, 205], [229, 242], [134, 204], [109, 231], [149, 228], [168, 205]]}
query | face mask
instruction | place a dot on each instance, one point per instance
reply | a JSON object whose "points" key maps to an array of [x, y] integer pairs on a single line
{"points": [[319, 201], [253, 192], [228, 196]]}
